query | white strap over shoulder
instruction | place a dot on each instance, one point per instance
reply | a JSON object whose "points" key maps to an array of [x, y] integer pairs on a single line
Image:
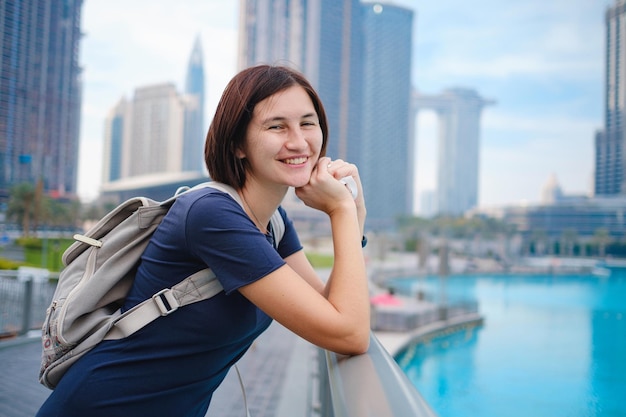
{"points": [[197, 287]]}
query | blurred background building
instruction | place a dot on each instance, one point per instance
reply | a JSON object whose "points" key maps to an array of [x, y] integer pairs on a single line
{"points": [[40, 94], [358, 57], [357, 54], [458, 111], [609, 142], [154, 142], [195, 125]]}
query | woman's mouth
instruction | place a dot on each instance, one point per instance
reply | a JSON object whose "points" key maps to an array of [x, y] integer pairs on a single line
{"points": [[295, 161]]}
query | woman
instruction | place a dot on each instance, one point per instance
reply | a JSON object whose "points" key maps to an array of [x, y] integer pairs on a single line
{"points": [[269, 133]]}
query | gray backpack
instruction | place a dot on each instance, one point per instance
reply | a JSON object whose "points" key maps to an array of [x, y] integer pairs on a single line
{"points": [[100, 269]]}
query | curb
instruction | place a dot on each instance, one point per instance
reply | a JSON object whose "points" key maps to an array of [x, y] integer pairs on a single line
{"points": [[30, 337]]}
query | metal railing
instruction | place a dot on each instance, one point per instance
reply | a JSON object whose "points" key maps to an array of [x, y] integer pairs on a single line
{"points": [[371, 384], [24, 297]]}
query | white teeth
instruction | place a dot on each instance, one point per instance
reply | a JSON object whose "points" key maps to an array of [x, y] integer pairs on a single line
{"points": [[295, 161]]}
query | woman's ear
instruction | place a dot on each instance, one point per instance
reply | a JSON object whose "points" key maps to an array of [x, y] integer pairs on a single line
{"points": [[239, 153]]}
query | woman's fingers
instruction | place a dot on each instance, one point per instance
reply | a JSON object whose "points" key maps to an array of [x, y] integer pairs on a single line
{"points": [[347, 173]]}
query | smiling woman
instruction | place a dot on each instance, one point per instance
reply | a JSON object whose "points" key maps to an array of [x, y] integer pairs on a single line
{"points": [[269, 133]]}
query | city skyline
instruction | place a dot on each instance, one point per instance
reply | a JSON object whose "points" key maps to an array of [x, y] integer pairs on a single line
{"points": [[521, 140]]}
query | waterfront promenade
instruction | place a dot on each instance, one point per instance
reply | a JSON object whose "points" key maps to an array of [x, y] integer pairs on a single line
{"points": [[276, 371], [266, 369]]}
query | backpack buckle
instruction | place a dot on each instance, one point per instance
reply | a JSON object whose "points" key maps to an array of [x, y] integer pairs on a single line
{"points": [[165, 301]]}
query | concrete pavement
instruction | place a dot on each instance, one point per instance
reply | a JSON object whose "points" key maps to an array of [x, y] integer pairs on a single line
{"points": [[263, 370]]}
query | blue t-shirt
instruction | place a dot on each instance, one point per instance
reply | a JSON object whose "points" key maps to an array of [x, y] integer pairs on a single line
{"points": [[172, 366]]}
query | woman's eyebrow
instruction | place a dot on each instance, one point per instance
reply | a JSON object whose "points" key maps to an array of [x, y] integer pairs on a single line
{"points": [[274, 119], [270, 120]]}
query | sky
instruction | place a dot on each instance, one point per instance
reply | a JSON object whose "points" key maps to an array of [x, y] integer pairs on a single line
{"points": [[541, 61]]}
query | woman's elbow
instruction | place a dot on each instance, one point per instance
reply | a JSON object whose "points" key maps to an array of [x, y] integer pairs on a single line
{"points": [[356, 344], [362, 345]]}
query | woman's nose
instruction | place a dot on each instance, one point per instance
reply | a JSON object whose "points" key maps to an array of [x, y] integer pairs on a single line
{"points": [[297, 138]]}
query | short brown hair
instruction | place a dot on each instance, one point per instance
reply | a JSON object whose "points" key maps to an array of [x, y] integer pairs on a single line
{"points": [[227, 132]]}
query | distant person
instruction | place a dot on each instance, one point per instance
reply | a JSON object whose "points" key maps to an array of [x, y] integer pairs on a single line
{"points": [[269, 133]]}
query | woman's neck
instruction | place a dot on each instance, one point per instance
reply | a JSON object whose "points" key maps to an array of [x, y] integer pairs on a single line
{"points": [[261, 202]]}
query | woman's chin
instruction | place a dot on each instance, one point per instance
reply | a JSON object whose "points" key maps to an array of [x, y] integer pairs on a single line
{"points": [[297, 181], [298, 184]]}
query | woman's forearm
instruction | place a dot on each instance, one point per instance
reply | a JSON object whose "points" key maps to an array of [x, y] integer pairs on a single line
{"points": [[347, 286]]}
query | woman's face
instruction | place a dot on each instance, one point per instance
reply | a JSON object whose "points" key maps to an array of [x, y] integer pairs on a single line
{"points": [[283, 139]]}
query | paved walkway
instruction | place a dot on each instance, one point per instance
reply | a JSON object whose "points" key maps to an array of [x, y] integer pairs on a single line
{"points": [[20, 391], [263, 370]]}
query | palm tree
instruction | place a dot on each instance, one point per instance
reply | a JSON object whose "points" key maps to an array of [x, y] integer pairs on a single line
{"points": [[21, 207]]}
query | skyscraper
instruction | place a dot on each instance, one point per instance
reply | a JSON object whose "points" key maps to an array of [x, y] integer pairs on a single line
{"points": [[158, 131], [144, 136], [386, 160], [357, 56], [319, 38], [333, 57], [610, 142], [40, 94], [116, 129], [459, 111], [193, 142]]}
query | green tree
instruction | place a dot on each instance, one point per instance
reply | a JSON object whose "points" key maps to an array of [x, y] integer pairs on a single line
{"points": [[21, 207], [62, 213]]}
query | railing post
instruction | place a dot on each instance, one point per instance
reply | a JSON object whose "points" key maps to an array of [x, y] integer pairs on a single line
{"points": [[28, 303]]}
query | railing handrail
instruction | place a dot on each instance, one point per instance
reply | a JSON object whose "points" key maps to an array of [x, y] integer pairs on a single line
{"points": [[371, 384]]}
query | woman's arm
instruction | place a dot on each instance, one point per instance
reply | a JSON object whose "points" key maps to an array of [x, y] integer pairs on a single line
{"points": [[340, 321], [301, 265], [336, 317]]}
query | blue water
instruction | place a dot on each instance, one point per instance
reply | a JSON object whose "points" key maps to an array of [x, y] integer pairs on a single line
{"points": [[549, 346]]}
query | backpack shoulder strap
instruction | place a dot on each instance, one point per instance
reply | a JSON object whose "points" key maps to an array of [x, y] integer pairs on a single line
{"points": [[278, 225], [197, 287]]}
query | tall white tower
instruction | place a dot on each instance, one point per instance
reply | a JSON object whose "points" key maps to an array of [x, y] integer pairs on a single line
{"points": [[459, 112]]}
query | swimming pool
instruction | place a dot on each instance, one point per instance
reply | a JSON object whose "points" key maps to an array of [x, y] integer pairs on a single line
{"points": [[551, 345]]}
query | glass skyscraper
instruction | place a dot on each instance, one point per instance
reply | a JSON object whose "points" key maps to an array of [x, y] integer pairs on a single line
{"points": [[358, 57], [193, 142], [609, 143], [319, 38], [386, 146], [40, 94]]}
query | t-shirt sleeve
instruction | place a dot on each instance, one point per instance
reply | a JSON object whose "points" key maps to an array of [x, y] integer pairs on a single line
{"points": [[219, 232], [290, 242]]}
